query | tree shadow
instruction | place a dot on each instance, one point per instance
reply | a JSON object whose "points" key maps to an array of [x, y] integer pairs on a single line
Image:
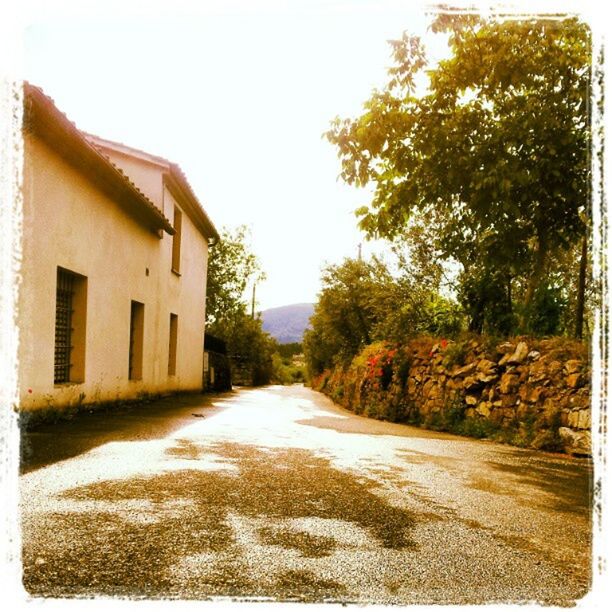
{"points": [[49, 443], [568, 482], [146, 527]]}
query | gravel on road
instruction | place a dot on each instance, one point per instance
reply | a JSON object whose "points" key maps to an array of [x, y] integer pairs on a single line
{"points": [[278, 494]]}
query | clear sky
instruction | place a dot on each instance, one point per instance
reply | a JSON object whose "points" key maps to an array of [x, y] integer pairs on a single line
{"points": [[238, 92]]}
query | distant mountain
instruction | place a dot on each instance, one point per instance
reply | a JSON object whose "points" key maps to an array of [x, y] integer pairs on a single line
{"points": [[287, 323]]}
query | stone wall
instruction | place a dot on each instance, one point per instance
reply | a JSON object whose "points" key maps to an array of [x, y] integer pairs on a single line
{"points": [[523, 391]]}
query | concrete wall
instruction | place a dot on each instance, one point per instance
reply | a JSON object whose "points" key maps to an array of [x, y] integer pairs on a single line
{"points": [[69, 223]]}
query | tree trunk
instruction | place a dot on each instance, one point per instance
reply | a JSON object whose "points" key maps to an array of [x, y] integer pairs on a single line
{"points": [[539, 266], [476, 323], [581, 288], [509, 294]]}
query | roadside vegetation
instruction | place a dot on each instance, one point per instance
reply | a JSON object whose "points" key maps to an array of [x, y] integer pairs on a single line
{"points": [[232, 268], [481, 187], [289, 366], [255, 357]]}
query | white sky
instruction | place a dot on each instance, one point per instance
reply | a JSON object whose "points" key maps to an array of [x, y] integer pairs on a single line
{"points": [[238, 92]]}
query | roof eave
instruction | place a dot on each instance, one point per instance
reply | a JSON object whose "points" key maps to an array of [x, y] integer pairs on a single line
{"points": [[177, 182], [42, 118]]}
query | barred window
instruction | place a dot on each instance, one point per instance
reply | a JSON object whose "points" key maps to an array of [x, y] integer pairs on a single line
{"points": [[63, 325], [70, 311]]}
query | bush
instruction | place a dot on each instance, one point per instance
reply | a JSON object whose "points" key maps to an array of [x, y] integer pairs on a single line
{"points": [[338, 393], [404, 363], [443, 317], [455, 353], [545, 311], [476, 428], [454, 412], [548, 440], [284, 372]]}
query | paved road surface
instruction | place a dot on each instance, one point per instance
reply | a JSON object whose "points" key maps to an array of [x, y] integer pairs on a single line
{"points": [[277, 493]]}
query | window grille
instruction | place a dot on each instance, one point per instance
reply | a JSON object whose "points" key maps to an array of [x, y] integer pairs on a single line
{"points": [[63, 326]]}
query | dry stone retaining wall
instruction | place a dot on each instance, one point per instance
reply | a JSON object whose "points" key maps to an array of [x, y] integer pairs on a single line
{"points": [[523, 391]]}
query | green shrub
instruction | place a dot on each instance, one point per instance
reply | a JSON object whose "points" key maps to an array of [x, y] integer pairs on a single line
{"points": [[455, 354], [434, 421], [476, 428], [442, 317], [454, 412], [548, 440], [403, 369]]}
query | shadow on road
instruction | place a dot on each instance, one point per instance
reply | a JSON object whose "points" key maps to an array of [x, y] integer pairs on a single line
{"points": [[162, 524], [568, 481], [48, 443]]}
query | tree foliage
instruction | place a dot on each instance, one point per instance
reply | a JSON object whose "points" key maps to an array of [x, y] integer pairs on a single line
{"points": [[250, 349], [232, 267], [289, 349], [362, 302], [495, 154]]}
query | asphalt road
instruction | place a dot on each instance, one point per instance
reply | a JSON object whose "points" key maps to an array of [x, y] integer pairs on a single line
{"points": [[277, 494]]}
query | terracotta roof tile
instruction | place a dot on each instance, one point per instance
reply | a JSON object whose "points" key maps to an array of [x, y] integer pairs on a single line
{"points": [[173, 167]]}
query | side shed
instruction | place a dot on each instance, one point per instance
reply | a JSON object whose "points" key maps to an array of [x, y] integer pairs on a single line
{"points": [[217, 374]]}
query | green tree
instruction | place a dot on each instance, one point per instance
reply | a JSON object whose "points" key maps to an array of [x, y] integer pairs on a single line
{"points": [[495, 153], [577, 300], [287, 364], [232, 267], [486, 297], [363, 301], [249, 348], [289, 349], [346, 312]]}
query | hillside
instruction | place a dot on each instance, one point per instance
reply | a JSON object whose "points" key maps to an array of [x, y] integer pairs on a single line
{"points": [[287, 323]]}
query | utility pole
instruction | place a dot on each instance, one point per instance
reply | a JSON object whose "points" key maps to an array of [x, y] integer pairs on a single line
{"points": [[359, 252], [253, 301]]}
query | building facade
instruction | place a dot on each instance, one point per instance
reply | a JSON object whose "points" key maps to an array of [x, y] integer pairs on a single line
{"points": [[113, 272]]}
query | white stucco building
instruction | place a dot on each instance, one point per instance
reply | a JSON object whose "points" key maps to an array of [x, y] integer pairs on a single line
{"points": [[113, 272]]}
